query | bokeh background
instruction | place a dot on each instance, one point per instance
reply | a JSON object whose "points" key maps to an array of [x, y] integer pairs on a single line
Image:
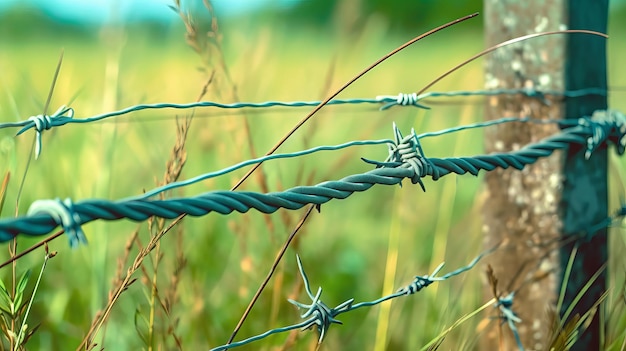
{"points": [[121, 53]]}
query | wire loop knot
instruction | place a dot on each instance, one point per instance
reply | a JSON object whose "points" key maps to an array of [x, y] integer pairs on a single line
{"points": [[62, 212], [46, 122]]}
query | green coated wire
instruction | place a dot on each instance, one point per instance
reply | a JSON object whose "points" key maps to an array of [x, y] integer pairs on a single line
{"points": [[262, 159], [65, 115], [405, 160], [320, 315], [329, 148], [221, 172]]}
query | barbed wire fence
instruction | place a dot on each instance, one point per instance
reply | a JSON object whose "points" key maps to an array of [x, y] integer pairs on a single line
{"points": [[406, 160]]}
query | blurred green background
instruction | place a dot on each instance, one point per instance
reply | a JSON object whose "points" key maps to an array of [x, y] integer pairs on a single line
{"points": [[299, 51]]}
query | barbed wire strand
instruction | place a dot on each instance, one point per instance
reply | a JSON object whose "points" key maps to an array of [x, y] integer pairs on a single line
{"points": [[65, 115], [257, 160], [406, 160], [60, 118], [318, 314], [43, 122], [563, 123]]}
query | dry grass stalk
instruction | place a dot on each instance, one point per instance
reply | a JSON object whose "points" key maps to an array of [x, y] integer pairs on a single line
{"points": [[13, 254], [209, 48], [173, 169], [493, 283], [300, 124]]}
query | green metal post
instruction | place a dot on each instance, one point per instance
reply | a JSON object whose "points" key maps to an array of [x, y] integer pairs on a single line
{"points": [[585, 194]]}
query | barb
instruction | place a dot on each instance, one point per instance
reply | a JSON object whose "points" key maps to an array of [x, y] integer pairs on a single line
{"points": [[44, 122], [65, 115], [400, 100], [406, 160], [505, 304], [317, 314]]}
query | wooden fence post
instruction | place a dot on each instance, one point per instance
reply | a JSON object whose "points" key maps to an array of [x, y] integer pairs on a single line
{"points": [[558, 196]]}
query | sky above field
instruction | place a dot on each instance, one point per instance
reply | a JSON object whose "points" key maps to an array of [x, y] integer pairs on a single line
{"points": [[102, 11]]}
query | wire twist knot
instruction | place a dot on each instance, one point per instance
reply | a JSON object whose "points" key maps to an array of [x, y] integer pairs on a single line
{"points": [[401, 99], [62, 212], [406, 99], [46, 122], [421, 282]]}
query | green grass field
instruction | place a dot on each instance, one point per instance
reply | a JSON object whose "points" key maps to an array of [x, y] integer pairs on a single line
{"points": [[363, 247]]}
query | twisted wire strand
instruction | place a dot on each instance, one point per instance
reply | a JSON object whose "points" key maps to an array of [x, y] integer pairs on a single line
{"points": [[65, 115], [205, 176], [262, 159], [317, 314], [406, 160]]}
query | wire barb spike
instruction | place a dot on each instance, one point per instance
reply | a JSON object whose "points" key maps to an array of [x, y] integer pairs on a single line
{"points": [[320, 314]]}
